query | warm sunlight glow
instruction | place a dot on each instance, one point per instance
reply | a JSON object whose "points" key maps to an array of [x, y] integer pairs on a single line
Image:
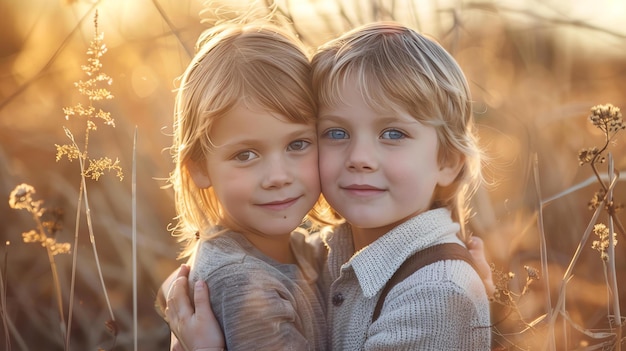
{"points": [[546, 79]]}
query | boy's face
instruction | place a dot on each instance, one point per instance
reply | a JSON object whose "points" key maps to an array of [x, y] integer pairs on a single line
{"points": [[377, 170], [263, 170]]}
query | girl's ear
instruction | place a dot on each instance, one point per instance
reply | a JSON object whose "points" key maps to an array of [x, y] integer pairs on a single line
{"points": [[448, 171], [198, 172]]}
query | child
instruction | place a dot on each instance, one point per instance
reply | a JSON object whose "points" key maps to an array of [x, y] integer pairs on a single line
{"points": [[245, 150], [398, 160]]}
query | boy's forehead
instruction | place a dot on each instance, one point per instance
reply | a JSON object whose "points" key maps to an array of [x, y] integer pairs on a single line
{"points": [[355, 91]]}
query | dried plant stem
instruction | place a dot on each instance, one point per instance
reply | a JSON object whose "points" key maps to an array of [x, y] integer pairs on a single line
{"points": [[173, 28], [55, 273], [611, 262], [3, 302], [490, 7], [574, 188], [18, 337], [57, 286], [8, 323], [568, 272], [92, 239], [543, 249], [134, 236], [51, 60], [595, 160], [83, 195], [74, 266]]}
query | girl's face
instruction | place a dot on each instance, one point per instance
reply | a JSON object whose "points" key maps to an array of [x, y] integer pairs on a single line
{"points": [[263, 171], [377, 170]]}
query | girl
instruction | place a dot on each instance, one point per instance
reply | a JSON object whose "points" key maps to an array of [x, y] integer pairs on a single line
{"points": [[245, 150]]}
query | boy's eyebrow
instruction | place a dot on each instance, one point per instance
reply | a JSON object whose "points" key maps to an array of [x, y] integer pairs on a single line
{"points": [[381, 119], [397, 119]]}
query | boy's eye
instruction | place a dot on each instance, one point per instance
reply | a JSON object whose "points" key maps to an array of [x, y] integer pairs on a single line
{"points": [[393, 134], [245, 156], [298, 145], [335, 134]]}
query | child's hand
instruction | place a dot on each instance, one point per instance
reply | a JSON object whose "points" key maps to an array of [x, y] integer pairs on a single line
{"points": [[477, 250], [195, 330]]}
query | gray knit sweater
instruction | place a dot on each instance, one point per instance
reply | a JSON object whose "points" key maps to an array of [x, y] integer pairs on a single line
{"points": [[262, 304], [442, 306]]}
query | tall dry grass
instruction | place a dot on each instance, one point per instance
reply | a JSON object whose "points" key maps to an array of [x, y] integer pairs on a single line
{"points": [[533, 82]]}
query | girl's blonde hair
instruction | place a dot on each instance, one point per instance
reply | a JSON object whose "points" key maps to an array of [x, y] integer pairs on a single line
{"points": [[257, 63], [395, 67]]}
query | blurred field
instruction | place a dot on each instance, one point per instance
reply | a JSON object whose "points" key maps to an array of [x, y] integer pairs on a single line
{"points": [[535, 72]]}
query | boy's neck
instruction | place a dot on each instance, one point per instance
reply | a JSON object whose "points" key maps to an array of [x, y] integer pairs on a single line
{"points": [[361, 237]]}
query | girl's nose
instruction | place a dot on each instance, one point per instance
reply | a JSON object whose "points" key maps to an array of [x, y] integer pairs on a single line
{"points": [[277, 173]]}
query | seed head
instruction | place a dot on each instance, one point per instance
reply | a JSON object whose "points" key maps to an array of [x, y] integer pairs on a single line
{"points": [[588, 155], [602, 244], [532, 272], [607, 118], [21, 198]]}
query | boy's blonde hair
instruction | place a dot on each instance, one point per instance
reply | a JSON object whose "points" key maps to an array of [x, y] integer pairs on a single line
{"points": [[395, 67], [256, 63]]}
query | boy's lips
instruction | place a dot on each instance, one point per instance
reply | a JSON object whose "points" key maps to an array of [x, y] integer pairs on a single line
{"points": [[362, 190], [279, 204]]}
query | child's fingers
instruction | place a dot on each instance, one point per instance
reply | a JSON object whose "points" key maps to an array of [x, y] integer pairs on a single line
{"points": [[178, 288], [201, 299], [183, 271], [475, 243], [178, 304], [476, 248], [161, 298], [205, 315], [175, 345]]}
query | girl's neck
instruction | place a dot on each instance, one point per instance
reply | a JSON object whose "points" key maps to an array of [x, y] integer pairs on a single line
{"points": [[276, 247]]}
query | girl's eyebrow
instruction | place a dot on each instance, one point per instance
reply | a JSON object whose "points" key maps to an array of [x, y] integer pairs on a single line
{"points": [[245, 141]]}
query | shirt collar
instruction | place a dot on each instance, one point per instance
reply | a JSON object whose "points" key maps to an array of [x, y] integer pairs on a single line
{"points": [[376, 263]]}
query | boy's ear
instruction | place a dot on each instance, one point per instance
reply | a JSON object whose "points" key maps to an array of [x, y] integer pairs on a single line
{"points": [[450, 169], [198, 172]]}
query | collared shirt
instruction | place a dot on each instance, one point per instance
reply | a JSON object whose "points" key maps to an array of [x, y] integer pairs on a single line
{"points": [[442, 306], [262, 304]]}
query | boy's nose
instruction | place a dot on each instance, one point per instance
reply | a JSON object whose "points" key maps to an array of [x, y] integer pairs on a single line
{"points": [[361, 157]]}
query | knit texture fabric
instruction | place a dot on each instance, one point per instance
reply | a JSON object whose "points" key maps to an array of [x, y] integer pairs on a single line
{"points": [[262, 304], [442, 306]]}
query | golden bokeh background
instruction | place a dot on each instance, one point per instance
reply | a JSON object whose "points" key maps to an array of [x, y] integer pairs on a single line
{"points": [[535, 68]]}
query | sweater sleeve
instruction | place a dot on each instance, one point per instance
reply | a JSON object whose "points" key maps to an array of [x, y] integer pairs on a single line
{"points": [[255, 310], [431, 315]]}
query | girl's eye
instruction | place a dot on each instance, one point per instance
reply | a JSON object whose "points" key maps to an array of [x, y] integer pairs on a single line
{"points": [[335, 134], [298, 145], [245, 156], [393, 134]]}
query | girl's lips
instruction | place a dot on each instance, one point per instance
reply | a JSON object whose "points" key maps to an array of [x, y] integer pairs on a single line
{"points": [[280, 204]]}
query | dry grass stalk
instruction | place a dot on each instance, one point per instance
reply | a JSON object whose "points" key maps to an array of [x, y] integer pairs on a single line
{"points": [[94, 90]]}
